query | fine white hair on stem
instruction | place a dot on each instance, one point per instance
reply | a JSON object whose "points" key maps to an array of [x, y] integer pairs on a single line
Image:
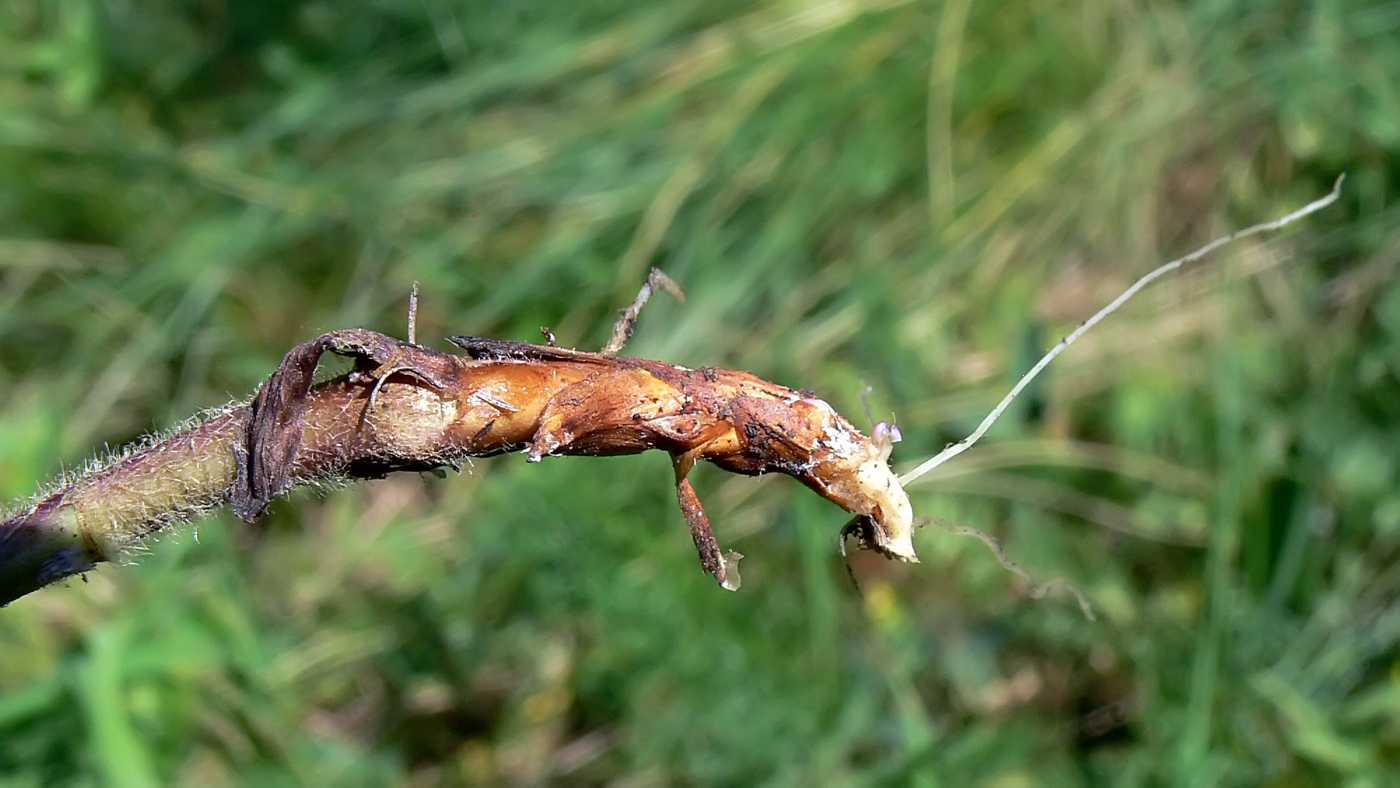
{"points": [[963, 445]]}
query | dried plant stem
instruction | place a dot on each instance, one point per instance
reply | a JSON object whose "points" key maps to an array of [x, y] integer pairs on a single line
{"points": [[405, 407], [963, 445], [409, 408]]}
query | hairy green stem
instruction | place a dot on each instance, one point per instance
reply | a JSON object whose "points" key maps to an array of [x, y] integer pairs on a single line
{"points": [[104, 515]]}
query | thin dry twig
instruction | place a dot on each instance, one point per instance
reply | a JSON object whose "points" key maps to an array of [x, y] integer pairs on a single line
{"points": [[627, 320]]}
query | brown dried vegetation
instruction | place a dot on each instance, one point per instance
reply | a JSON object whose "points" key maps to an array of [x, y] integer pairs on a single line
{"points": [[404, 407]]}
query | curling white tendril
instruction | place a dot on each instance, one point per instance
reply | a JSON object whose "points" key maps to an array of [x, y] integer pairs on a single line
{"points": [[963, 445]]}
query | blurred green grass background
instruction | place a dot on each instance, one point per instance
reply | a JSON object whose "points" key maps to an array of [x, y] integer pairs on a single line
{"points": [[916, 195]]}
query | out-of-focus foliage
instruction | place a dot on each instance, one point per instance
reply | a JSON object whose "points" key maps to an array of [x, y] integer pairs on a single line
{"points": [[920, 196]]}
